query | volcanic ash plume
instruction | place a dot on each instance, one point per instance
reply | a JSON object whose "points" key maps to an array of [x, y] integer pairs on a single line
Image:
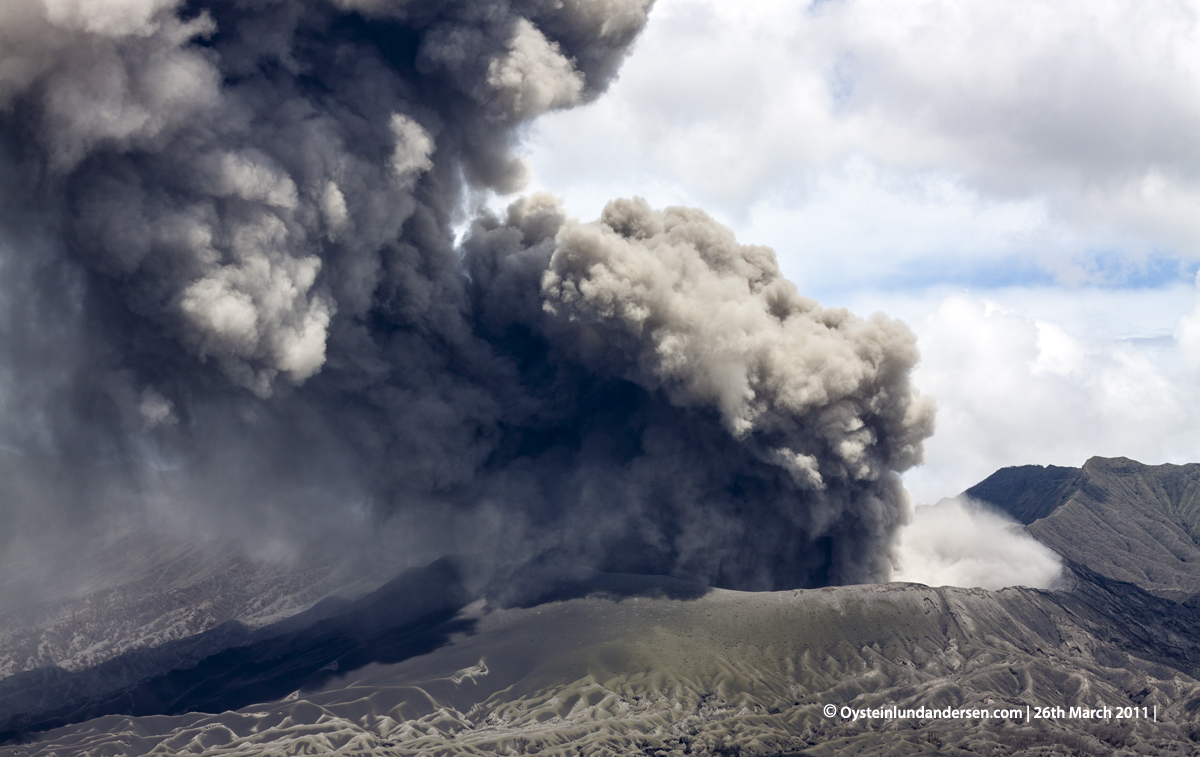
{"points": [[754, 422], [231, 303]]}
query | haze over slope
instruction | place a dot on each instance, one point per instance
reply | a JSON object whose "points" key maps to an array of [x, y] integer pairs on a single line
{"points": [[1125, 520]]}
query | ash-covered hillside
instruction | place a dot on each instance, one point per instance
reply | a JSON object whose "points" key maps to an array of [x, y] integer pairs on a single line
{"points": [[552, 658], [1125, 520]]}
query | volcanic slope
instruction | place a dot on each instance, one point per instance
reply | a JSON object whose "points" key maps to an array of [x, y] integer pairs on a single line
{"points": [[652, 669], [610, 664], [1125, 520], [131, 586]]}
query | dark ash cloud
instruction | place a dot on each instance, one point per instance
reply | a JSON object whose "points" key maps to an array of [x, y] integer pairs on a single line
{"points": [[231, 305]]}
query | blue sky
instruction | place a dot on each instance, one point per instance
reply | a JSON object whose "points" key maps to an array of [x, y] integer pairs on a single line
{"points": [[1017, 181]]}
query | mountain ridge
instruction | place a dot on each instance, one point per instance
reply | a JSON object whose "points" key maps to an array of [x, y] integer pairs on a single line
{"points": [[1123, 519]]}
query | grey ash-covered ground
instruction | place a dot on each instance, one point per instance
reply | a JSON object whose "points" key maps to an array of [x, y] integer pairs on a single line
{"points": [[606, 664]]}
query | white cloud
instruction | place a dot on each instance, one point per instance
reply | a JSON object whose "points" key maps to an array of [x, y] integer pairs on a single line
{"points": [[1016, 387], [960, 542], [1037, 131], [857, 225]]}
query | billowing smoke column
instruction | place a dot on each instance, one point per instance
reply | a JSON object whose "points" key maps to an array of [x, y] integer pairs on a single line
{"points": [[230, 296]]}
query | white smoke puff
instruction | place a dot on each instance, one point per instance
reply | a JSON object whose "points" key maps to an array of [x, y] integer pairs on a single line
{"points": [[258, 309], [156, 409], [299, 350], [533, 76], [112, 18], [672, 302], [333, 206], [962, 542], [805, 469], [225, 316], [251, 177], [410, 158], [103, 93], [38, 37], [607, 18]]}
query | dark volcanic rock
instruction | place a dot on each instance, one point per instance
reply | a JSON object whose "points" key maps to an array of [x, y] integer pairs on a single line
{"points": [[1028, 492], [1122, 519], [231, 667]]}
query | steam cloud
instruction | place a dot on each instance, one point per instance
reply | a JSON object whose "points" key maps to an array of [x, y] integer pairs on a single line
{"points": [[230, 298], [963, 542]]}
